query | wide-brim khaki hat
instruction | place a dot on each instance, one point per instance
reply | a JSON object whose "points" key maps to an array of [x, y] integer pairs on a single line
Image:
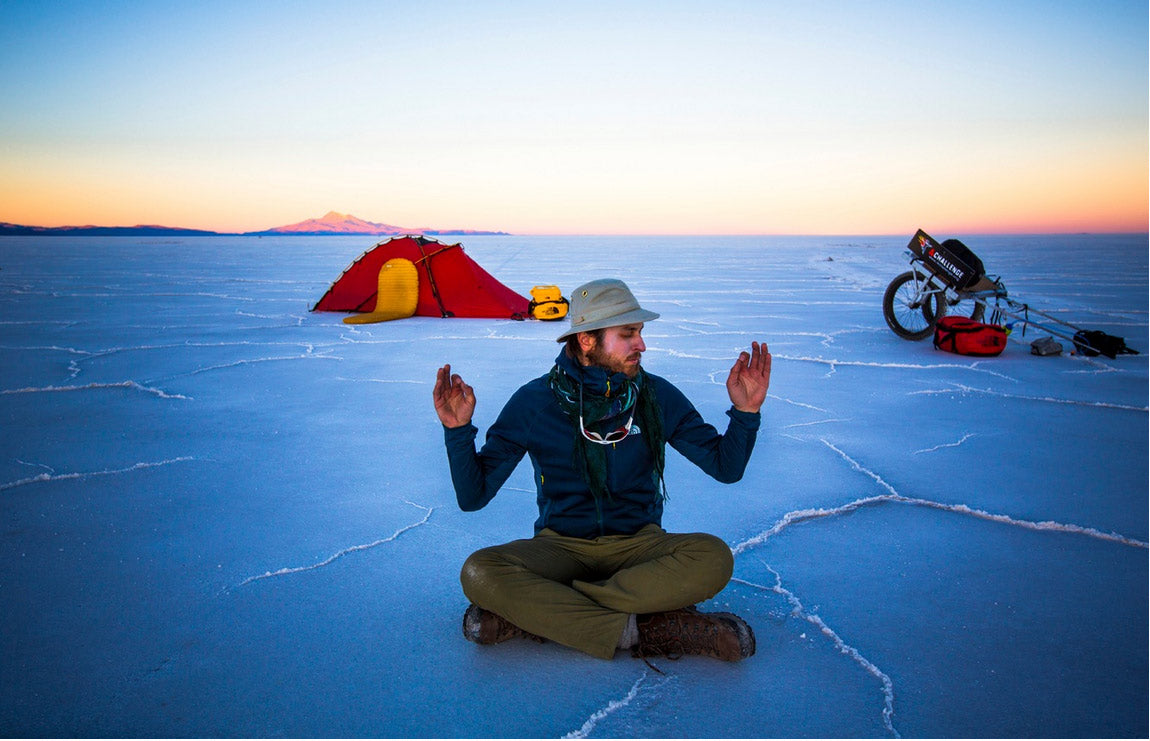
{"points": [[602, 303]]}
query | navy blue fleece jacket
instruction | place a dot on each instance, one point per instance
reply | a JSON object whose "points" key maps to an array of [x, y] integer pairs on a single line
{"points": [[532, 423]]}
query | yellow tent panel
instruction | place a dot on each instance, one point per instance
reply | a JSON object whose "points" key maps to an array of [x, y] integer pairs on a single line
{"points": [[397, 296]]}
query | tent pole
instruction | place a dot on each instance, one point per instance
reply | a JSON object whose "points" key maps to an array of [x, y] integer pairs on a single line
{"points": [[431, 279]]}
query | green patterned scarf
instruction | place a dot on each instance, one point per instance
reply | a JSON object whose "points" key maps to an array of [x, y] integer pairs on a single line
{"points": [[597, 405]]}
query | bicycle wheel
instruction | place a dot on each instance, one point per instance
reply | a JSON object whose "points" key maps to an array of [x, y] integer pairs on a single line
{"points": [[912, 305], [967, 307]]}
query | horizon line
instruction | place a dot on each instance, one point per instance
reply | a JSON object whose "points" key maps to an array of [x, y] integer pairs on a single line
{"points": [[42, 230], [197, 231]]}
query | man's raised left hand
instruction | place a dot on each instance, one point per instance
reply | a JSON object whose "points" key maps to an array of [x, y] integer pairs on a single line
{"points": [[750, 378]]}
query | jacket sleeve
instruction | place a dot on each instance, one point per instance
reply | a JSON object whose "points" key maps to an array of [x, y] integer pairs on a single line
{"points": [[477, 477], [722, 457]]}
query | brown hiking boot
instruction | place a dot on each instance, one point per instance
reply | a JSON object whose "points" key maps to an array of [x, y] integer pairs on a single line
{"points": [[486, 628], [688, 632]]}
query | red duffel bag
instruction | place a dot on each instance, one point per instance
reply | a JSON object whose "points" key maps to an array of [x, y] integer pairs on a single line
{"points": [[964, 336]]}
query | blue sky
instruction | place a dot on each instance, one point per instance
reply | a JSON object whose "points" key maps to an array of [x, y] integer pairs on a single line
{"points": [[727, 117]]}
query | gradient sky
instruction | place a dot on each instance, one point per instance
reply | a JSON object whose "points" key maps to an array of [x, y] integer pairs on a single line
{"points": [[592, 117]]}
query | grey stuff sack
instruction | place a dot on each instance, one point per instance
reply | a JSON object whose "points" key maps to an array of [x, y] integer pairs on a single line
{"points": [[1045, 346]]}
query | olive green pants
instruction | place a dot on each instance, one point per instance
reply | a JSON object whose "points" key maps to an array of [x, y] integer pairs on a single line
{"points": [[580, 592]]}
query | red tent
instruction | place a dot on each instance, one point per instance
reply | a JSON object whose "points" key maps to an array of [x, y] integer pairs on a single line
{"points": [[450, 282]]}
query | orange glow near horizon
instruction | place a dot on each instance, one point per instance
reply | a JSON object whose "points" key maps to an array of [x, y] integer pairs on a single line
{"points": [[1077, 200], [1080, 203]]}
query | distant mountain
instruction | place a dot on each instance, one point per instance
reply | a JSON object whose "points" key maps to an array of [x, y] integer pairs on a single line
{"points": [[330, 223], [334, 222], [140, 230]]}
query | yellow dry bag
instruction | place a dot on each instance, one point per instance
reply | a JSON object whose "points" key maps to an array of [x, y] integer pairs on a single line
{"points": [[547, 303]]}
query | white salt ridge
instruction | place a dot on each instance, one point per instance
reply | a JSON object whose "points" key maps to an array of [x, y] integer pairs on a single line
{"points": [[816, 422], [965, 437], [340, 554], [963, 389], [249, 361], [46, 477], [804, 515], [835, 364], [798, 610], [134, 385], [611, 707]]}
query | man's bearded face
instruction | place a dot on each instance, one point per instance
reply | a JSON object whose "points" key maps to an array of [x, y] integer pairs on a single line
{"points": [[619, 349]]}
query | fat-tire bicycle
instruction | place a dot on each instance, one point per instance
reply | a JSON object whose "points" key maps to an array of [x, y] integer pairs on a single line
{"points": [[943, 278], [948, 278]]}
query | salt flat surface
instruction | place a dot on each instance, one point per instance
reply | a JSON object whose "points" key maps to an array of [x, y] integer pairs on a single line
{"points": [[226, 516]]}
